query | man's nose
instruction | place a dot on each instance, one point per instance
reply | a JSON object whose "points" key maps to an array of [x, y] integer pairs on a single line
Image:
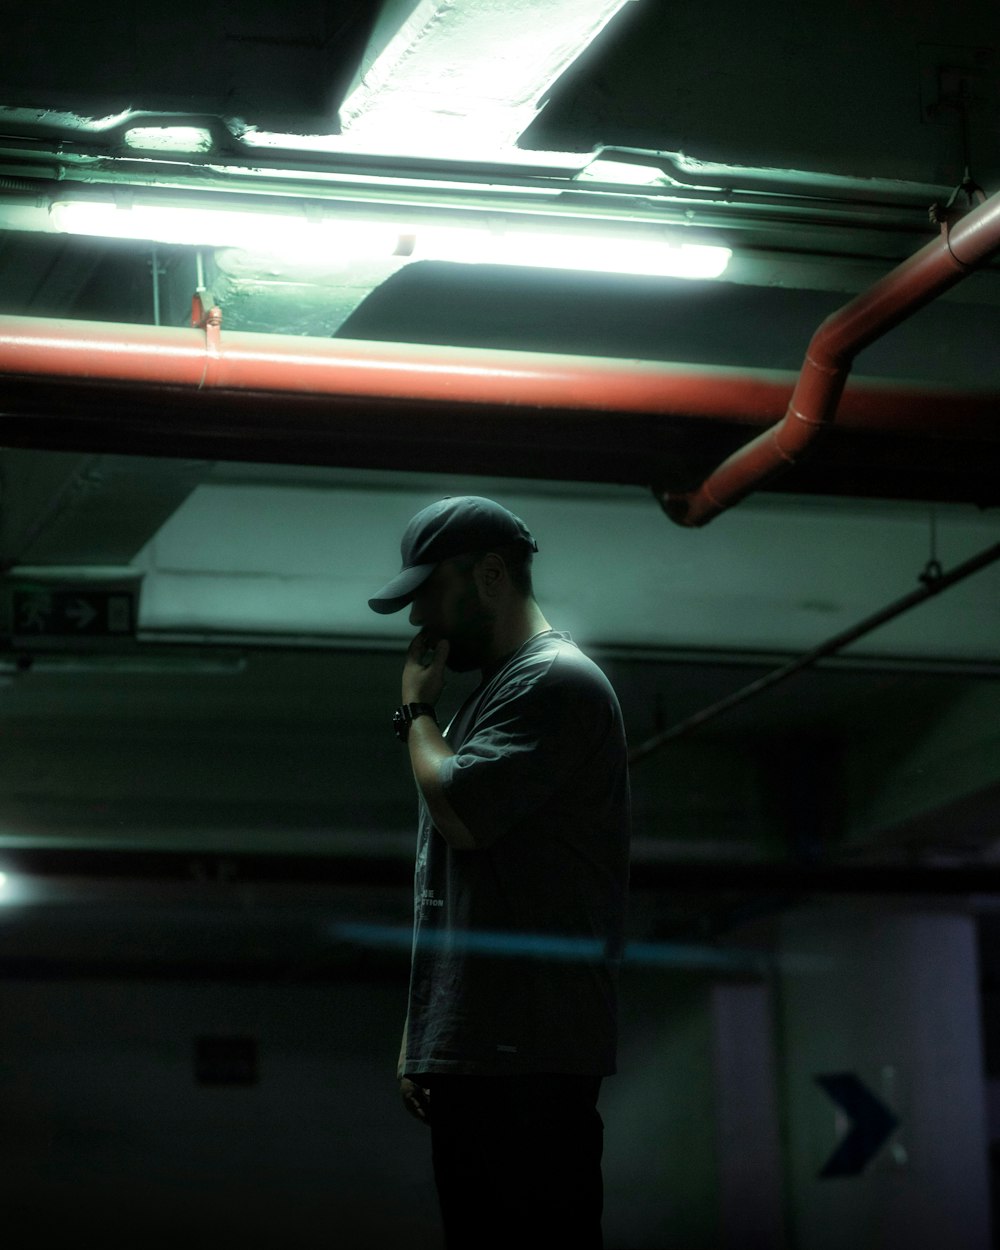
{"points": [[416, 616]]}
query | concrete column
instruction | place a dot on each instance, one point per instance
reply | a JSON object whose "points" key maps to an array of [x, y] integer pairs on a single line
{"points": [[746, 1117]]}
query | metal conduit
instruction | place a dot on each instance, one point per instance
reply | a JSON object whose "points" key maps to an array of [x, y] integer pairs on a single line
{"points": [[932, 586], [909, 287]]}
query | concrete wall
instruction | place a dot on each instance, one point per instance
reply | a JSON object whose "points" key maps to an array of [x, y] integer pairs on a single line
{"points": [[716, 1127], [105, 1131]]}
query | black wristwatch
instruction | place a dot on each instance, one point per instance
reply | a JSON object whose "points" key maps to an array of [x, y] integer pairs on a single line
{"points": [[404, 716]]}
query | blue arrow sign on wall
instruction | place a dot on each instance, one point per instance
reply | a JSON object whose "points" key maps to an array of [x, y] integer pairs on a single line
{"points": [[871, 1122]]}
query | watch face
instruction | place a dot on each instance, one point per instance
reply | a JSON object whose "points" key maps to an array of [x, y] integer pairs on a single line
{"points": [[400, 724]]}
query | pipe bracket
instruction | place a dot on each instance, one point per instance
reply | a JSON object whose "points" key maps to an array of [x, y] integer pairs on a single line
{"points": [[213, 347]]}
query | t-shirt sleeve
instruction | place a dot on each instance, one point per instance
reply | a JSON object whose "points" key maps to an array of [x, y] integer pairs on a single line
{"points": [[527, 744]]}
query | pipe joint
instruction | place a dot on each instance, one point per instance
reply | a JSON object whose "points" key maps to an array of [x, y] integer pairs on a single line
{"points": [[815, 361], [947, 236], [790, 440]]}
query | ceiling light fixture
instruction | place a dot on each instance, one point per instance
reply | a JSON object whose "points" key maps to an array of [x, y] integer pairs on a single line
{"points": [[653, 253], [290, 232], [307, 230]]}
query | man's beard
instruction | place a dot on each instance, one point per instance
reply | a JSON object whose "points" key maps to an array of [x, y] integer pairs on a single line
{"points": [[464, 655], [469, 645], [460, 659]]}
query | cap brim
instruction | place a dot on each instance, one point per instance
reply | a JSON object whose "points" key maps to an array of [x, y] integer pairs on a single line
{"points": [[395, 595]]}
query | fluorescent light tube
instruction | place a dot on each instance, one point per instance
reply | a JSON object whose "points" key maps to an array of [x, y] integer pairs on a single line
{"points": [[652, 251], [291, 233], [654, 254]]}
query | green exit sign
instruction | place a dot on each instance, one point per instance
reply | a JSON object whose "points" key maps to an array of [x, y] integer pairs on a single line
{"points": [[47, 613]]}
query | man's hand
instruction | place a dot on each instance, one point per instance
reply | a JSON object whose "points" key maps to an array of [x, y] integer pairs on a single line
{"points": [[416, 1099], [423, 672], [423, 681]]}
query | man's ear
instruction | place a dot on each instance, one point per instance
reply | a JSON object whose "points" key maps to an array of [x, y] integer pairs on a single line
{"points": [[491, 572]]}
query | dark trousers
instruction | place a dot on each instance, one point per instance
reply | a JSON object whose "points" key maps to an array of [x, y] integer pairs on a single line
{"points": [[517, 1160]]}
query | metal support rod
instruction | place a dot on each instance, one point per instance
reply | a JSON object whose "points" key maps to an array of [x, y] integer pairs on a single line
{"points": [[155, 269], [930, 588]]}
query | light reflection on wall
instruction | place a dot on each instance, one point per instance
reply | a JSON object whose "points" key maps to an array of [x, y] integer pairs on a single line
{"points": [[16, 890], [555, 946]]}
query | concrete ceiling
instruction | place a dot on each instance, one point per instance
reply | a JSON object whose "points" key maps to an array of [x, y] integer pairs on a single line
{"points": [[813, 142]]}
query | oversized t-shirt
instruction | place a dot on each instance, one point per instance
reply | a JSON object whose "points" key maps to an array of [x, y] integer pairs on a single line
{"points": [[517, 941]]}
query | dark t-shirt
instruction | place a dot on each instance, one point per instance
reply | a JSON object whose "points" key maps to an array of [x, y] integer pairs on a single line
{"points": [[517, 942]]}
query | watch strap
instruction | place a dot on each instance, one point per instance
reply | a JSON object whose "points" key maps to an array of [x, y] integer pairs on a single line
{"points": [[404, 716]]}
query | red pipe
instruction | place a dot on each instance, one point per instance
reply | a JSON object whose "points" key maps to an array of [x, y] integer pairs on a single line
{"points": [[455, 378], [907, 288], [245, 361]]}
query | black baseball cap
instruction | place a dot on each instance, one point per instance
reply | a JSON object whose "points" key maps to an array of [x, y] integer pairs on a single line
{"points": [[448, 528]]}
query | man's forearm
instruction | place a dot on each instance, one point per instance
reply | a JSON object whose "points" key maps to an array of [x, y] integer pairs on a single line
{"points": [[428, 750]]}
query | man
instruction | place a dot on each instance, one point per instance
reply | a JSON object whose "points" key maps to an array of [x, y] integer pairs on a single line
{"points": [[520, 885]]}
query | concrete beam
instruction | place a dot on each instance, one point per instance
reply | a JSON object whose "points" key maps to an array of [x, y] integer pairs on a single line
{"points": [[61, 508]]}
